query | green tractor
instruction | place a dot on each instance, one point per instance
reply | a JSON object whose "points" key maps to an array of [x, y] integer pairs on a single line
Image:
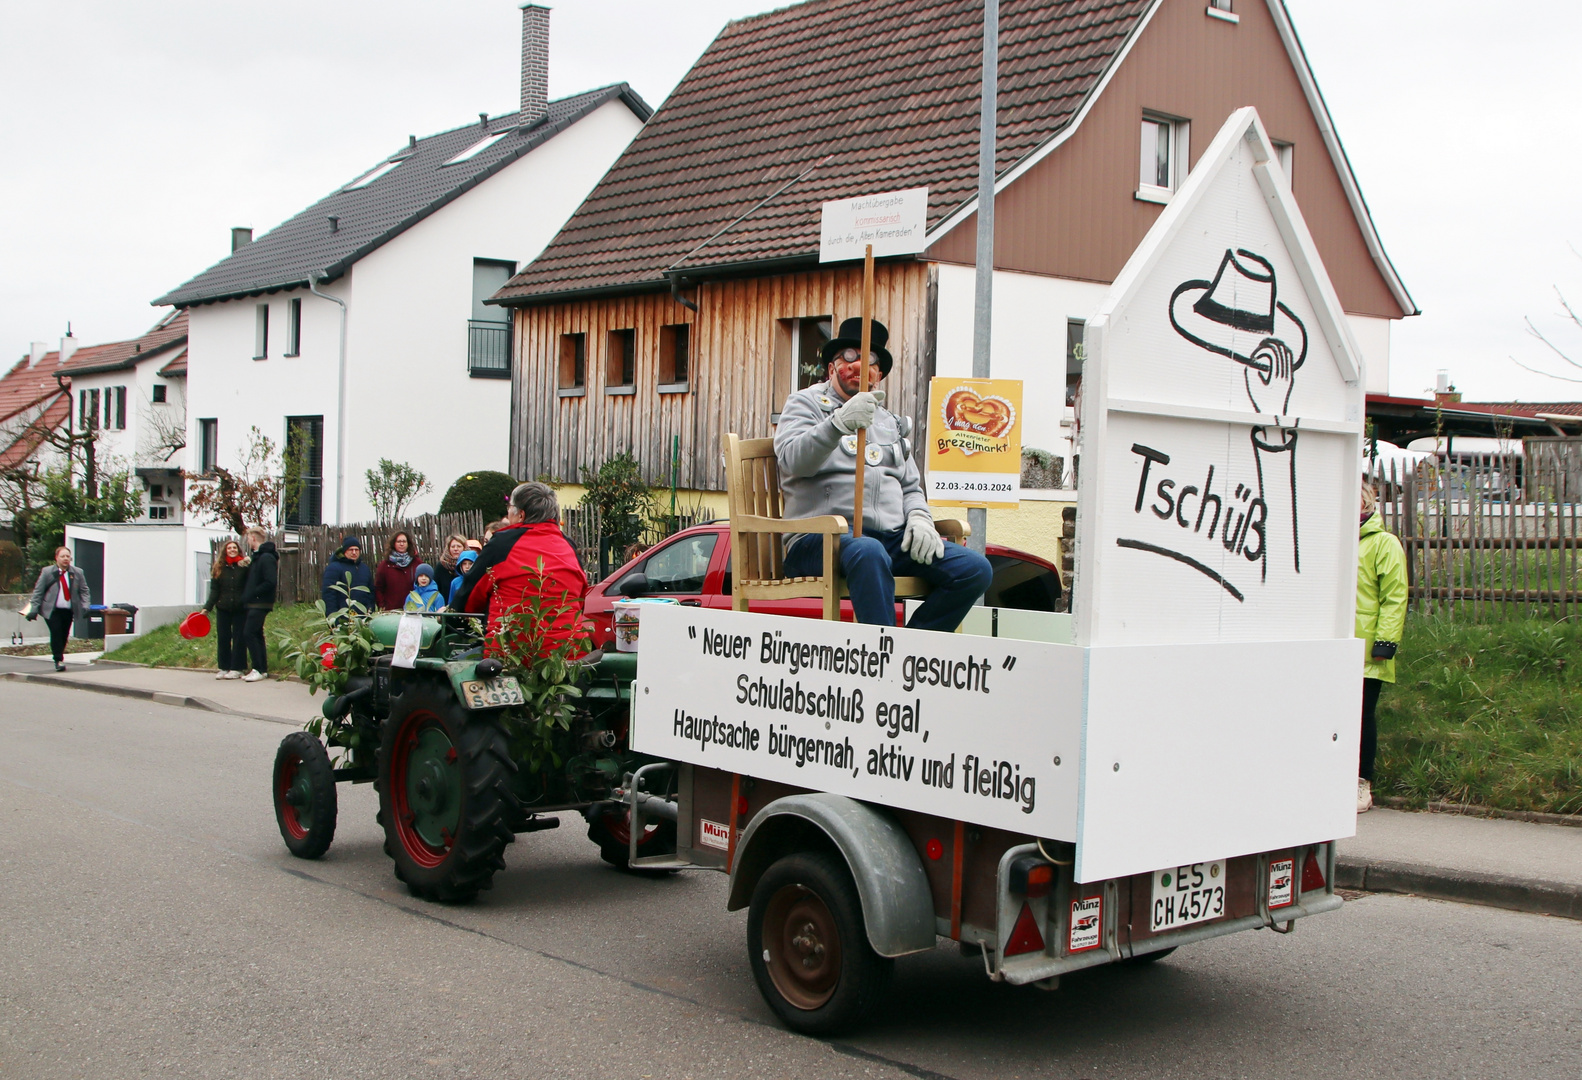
{"points": [[464, 752]]}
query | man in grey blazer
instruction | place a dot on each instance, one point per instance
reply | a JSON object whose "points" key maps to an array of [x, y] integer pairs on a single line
{"points": [[61, 596]]}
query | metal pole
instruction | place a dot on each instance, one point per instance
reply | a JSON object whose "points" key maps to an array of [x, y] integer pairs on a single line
{"points": [[862, 386], [983, 301]]}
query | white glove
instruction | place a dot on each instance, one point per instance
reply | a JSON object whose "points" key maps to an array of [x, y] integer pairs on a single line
{"points": [[858, 411], [922, 541]]}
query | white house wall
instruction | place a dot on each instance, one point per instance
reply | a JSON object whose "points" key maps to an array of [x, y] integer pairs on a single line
{"points": [[224, 382], [1373, 338], [129, 448], [412, 399], [1028, 341]]}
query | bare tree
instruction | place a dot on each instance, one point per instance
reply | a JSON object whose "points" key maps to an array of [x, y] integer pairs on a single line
{"points": [[162, 433], [248, 495], [1571, 316]]}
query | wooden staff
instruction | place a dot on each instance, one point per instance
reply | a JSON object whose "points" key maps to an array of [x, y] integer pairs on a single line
{"points": [[862, 381]]}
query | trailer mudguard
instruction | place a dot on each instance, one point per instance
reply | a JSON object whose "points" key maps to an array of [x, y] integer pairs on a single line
{"points": [[897, 905]]}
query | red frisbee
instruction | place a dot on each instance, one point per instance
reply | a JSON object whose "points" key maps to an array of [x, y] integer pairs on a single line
{"points": [[195, 625]]}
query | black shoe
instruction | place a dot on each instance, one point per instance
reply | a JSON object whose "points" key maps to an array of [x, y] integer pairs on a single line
{"points": [[59, 666]]}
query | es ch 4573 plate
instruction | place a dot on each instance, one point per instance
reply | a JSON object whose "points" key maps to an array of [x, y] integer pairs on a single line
{"points": [[491, 694], [1188, 894]]}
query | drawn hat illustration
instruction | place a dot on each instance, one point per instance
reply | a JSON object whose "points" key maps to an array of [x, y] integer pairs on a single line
{"points": [[1237, 312], [850, 337]]}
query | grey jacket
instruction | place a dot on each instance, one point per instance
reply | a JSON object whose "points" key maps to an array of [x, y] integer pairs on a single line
{"points": [[818, 464], [48, 588]]}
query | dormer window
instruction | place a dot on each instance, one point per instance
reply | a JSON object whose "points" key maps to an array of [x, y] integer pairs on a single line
{"points": [[1220, 9]]}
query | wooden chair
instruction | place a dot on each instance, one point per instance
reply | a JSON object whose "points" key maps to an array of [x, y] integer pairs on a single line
{"points": [[752, 489]]}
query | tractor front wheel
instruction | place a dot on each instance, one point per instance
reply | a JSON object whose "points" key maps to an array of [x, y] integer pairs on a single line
{"points": [[444, 795], [304, 789], [809, 947]]}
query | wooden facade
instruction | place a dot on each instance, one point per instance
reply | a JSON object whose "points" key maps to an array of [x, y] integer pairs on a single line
{"points": [[736, 343]]}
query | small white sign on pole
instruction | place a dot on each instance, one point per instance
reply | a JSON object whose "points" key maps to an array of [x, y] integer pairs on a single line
{"points": [[894, 222]]}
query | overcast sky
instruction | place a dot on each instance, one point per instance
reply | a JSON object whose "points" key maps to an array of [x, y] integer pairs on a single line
{"points": [[137, 134]]}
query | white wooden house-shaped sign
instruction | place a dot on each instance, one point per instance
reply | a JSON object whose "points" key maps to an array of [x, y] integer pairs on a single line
{"points": [[1211, 700], [1221, 453]]}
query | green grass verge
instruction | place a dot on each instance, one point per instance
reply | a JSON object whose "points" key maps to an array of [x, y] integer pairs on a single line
{"points": [[1485, 713], [165, 647]]}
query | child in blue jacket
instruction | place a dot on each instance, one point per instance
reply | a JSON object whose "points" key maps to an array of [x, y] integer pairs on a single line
{"points": [[425, 594]]}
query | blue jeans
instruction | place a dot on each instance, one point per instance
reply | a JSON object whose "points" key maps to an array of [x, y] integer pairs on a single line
{"points": [[870, 564]]}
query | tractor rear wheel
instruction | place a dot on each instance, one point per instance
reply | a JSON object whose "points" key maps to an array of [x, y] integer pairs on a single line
{"points": [[444, 794], [808, 945], [304, 789], [612, 831]]}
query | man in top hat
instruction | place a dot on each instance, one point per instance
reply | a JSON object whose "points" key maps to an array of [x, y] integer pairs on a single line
{"points": [[816, 446]]}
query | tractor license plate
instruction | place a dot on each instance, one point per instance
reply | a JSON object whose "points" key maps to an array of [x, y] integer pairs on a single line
{"points": [[504, 690], [1188, 894]]}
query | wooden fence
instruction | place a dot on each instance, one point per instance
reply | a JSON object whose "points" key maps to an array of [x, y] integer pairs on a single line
{"points": [[302, 563], [1485, 535]]}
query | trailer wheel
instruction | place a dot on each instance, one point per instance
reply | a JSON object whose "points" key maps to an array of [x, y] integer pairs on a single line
{"points": [[444, 795], [613, 833], [809, 948], [304, 789]]}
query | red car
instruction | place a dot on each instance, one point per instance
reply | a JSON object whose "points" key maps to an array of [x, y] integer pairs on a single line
{"points": [[694, 567]]}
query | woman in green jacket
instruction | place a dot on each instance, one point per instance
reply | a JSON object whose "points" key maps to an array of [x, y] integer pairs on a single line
{"points": [[1381, 618]]}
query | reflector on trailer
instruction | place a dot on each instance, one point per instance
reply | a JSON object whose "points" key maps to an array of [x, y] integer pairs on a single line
{"points": [[1031, 876], [1025, 937], [1312, 873]]}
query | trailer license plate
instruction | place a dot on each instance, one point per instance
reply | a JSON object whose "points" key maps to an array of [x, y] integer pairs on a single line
{"points": [[503, 690], [1188, 894]]}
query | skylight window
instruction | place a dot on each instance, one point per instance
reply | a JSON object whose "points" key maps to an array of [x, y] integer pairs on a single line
{"points": [[373, 174], [478, 147]]}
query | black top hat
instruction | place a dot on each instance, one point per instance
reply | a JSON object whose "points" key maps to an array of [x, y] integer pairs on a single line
{"points": [[850, 337]]}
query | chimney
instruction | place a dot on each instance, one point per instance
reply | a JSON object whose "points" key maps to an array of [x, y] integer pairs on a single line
{"points": [[240, 238], [68, 345], [1444, 390], [535, 64], [38, 351]]}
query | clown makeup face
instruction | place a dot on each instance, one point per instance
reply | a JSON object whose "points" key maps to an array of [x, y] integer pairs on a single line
{"points": [[845, 369]]}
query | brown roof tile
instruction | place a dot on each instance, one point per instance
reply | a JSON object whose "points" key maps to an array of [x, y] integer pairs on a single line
{"points": [[887, 90], [170, 331]]}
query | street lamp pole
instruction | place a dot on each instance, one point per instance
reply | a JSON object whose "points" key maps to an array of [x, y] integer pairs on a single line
{"points": [[983, 300]]}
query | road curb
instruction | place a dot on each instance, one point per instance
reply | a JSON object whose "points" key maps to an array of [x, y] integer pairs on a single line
{"points": [[1465, 886], [158, 697]]}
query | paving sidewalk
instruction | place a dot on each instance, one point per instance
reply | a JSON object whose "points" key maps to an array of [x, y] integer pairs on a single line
{"points": [[1511, 864], [280, 701]]}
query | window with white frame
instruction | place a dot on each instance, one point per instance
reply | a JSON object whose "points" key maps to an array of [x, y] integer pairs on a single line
{"points": [[294, 326], [1163, 157], [261, 333], [1284, 151]]}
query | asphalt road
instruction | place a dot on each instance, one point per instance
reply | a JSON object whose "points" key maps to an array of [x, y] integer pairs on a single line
{"points": [[151, 924]]}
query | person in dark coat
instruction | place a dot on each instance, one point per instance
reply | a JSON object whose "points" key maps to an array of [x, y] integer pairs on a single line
{"points": [[227, 582], [61, 596], [258, 598], [355, 580], [393, 578]]}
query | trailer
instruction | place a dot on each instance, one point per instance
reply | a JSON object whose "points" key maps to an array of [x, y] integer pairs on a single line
{"points": [[1172, 761]]}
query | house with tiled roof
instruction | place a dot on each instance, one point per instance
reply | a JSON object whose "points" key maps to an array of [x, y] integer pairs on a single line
{"points": [[133, 394], [685, 298], [356, 330]]}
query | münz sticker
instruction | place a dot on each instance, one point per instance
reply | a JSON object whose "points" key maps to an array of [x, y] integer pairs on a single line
{"points": [[1282, 877], [1087, 924], [713, 834]]}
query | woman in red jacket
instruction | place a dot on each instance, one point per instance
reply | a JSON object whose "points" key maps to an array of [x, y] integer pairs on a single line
{"points": [[393, 578]]}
